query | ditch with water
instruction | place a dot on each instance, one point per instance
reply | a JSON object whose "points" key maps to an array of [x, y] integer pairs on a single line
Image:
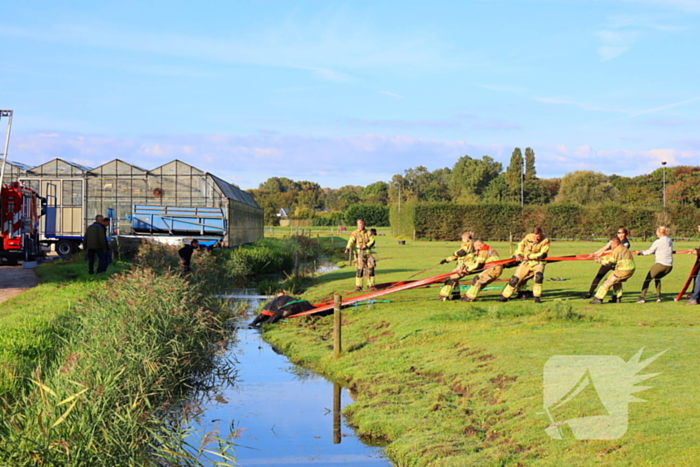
{"points": [[281, 413]]}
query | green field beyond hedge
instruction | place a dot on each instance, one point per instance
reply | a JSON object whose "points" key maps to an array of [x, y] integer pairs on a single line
{"points": [[457, 384]]}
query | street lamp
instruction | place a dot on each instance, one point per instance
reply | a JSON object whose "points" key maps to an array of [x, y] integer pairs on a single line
{"points": [[663, 164], [522, 184]]}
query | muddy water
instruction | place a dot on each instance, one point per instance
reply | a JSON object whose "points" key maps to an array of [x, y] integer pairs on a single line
{"points": [[283, 414]]}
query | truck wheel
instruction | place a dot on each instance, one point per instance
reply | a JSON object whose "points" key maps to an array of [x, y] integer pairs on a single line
{"points": [[66, 247]]}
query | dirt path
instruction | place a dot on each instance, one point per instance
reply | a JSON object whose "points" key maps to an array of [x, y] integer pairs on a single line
{"points": [[14, 280]]}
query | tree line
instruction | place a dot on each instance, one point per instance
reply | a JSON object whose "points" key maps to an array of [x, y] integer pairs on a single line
{"points": [[473, 180]]}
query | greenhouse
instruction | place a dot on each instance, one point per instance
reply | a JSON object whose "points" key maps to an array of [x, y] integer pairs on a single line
{"points": [[117, 188]]}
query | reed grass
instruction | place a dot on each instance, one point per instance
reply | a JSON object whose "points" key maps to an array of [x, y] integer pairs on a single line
{"points": [[117, 357]]}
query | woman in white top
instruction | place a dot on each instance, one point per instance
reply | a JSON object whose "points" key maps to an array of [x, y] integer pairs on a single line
{"points": [[662, 248]]}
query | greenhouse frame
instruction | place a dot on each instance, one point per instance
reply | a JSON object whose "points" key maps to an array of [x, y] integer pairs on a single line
{"points": [[115, 188]]}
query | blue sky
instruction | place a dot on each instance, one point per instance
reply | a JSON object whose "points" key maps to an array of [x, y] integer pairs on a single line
{"points": [[353, 92]]}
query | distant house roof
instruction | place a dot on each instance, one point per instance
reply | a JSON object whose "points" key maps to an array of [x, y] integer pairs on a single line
{"points": [[284, 212]]}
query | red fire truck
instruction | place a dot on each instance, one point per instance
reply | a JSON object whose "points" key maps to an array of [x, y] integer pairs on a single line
{"points": [[19, 223]]}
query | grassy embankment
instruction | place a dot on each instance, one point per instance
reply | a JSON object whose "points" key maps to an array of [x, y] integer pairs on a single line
{"points": [[90, 364], [455, 384]]}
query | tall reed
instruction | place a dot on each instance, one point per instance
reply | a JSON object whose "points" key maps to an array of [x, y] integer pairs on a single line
{"points": [[129, 350]]}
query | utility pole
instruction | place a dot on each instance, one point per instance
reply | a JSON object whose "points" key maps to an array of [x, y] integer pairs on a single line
{"points": [[663, 164], [522, 184]]}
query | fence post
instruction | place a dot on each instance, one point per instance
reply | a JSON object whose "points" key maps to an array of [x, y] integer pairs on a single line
{"points": [[337, 324]]}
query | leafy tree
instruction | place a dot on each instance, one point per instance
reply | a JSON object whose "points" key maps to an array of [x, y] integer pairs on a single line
{"points": [[514, 174], [530, 171], [470, 177], [497, 191], [279, 185], [586, 187], [551, 186], [397, 189], [417, 181], [637, 195], [343, 197], [536, 192], [310, 195], [376, 193]]}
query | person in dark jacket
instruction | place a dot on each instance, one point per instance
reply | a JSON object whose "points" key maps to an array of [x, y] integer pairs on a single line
{"points": [[186, 255], [95, 242]]}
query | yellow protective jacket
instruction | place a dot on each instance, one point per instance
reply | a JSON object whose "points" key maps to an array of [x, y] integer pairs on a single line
{"points": [[621, 257], [361, 240], [482, 257], [533, 251], [464, 255]]}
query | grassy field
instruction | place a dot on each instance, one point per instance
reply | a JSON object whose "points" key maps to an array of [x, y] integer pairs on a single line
{"points": [[456, 384]]}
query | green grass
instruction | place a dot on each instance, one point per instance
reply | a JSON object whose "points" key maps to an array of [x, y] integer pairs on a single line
{"points": [[455, 384], [98, 387], [30, 335]]}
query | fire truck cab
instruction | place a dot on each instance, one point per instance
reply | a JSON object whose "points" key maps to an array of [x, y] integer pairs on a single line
{"points": [[20, 209]]}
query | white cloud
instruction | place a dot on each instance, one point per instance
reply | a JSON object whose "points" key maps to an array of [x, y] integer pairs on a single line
{"points": [[391, 94], [561, 159], [614, 43], [580, 105]]}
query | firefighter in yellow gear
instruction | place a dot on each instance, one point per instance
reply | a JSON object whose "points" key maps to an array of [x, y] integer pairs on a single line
{"points": [[362, 241], [483, 255], [623, 260], [463, 257], [532, 252]]}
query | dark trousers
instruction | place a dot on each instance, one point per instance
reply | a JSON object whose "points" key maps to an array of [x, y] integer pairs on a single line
{"points": [[657, 272], [108, 258], [696, 289], [604, 269], [101, 260]]}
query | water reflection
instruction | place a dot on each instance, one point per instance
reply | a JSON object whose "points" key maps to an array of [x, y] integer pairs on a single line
{"points": [[283, 414]]}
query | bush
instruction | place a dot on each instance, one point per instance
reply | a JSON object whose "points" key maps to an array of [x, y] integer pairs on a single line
{"points": [[328, 219], [373, 215], [497, 221]]}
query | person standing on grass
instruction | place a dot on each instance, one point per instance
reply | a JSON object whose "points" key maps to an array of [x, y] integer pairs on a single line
{"points": [[462, 256], [363, 242], [532, 252], [483, 255], [186, 255], [621, 259], [622, 234], [96, 244], [662, 249], [696, 290]]}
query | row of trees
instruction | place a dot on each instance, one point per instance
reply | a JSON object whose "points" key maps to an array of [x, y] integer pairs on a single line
{"points": [[473, 180], [305, 199]]}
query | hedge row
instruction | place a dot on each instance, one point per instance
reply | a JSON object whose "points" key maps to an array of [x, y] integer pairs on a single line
{"points": [[328, 219], [445, 221], [373, 215]]}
